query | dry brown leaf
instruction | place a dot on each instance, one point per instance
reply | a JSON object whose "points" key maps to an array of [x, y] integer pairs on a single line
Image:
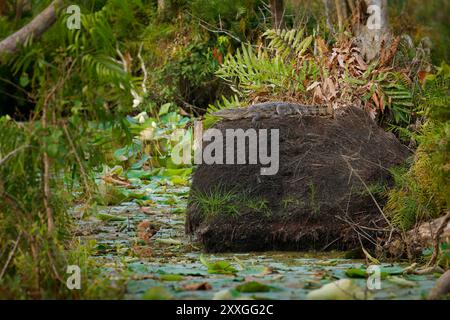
{"points": [[143, 251], [375, 100], [329, 89], [145, 230], [318, 96], [313, 86], [361, 63], [114, 179], [323, 48], [340, 59], [197, 286], [147, 210]]}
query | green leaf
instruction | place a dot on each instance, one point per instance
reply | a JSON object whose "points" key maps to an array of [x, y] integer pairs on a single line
{"points": [[171, 277], [24, 80], [109, 217], [165, 109], [218, 267], [356, 273], [254, 286]]}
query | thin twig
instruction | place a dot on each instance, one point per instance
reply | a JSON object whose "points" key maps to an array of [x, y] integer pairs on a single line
{"points": [[12, 154], [77, 157], [45, 157], [368, 190], [11, 254]]}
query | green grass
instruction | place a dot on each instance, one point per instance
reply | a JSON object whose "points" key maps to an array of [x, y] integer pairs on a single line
{"points": [[228, 203]]}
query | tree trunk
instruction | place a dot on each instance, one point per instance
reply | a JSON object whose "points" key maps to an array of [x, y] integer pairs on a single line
{"points": [[372, 29], [352, 6], [441, 288], [342, 14], [41, 23], [277, 9], [3, 8], [19, 9], [328, 9]]}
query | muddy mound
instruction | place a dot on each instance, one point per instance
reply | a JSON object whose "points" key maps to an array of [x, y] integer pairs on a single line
{"points": [[331, 171]]}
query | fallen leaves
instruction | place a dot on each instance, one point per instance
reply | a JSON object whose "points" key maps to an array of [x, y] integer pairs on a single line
{"points": [[145, 231], [197, 286], [147, 210]]}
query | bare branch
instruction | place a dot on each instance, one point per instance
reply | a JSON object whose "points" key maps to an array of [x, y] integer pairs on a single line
{"points": [[12, 154], [41, 23], [11, 254]]}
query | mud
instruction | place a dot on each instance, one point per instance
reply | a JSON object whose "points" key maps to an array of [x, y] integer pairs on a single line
{"points": [[325, 196]]}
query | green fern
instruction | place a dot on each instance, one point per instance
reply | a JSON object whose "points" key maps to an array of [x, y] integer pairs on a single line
{"points": [[435, 102], [279, 68], [288, 43], [248, 71], [398, 96], [233, 102]]}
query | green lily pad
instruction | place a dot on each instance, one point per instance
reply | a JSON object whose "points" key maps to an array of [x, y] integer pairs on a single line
{"points": [[218, 267], [109, 217], [254, 286], [171, 277]]}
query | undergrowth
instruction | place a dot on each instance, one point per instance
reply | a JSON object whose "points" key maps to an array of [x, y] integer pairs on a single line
{"points": [[423, 188]]}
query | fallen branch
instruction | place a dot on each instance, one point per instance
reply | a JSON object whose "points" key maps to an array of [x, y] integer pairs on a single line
{"points": [[113, 180], [41, 23], [12, 154]]}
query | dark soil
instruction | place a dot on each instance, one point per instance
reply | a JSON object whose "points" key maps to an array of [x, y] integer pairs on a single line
{"points": [[317, 200]]}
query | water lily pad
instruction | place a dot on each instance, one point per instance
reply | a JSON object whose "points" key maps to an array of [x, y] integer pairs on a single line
{"points": [[171, 277], [218, 267], [254, 286], [110, 217]]}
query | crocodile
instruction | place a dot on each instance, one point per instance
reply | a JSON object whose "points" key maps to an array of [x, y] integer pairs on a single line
{"points": [[275, 109]]}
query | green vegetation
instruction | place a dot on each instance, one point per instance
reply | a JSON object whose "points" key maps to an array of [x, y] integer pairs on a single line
{"points": [[422, 189], [228, 203]]}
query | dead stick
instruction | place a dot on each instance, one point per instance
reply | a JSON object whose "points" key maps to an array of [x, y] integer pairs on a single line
{"points": [[11, 254], [370, 193], [46, 173], [12, 154]]}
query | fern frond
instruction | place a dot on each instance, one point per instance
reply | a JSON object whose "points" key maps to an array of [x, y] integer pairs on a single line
{"points": [[224, 103], [287, 43], [248, 71]]}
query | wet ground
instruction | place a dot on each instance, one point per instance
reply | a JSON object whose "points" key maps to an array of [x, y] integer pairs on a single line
{"points": [[142, 242]]}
